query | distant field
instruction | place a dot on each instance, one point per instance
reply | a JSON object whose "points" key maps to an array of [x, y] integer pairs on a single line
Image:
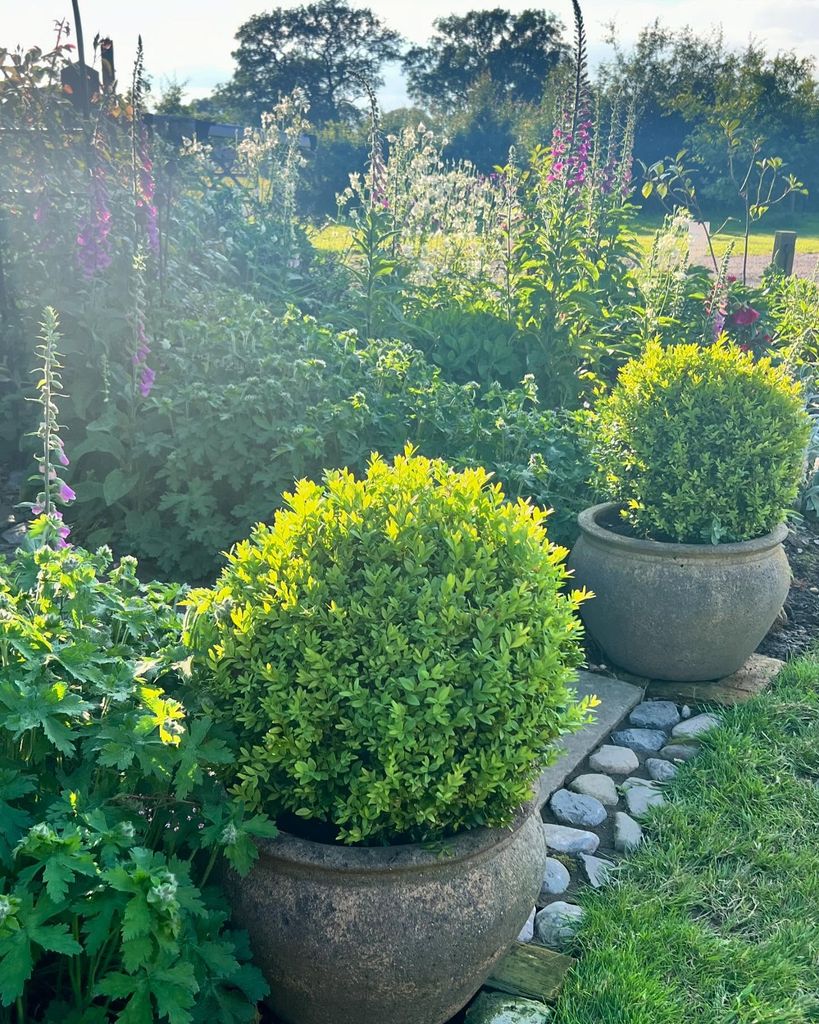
{"points": [[336, 237]]}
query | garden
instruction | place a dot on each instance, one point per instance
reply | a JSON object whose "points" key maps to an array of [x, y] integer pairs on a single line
{"points": [[395, 599]]}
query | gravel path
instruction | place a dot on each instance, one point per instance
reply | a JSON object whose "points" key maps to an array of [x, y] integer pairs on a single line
{"points": [[805, 264]]}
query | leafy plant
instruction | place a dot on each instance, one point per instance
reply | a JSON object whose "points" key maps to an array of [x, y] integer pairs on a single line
{"points": [[759, 183], [111, 819], [396, 650], [538, 257], [702, 444], [809, 502], [246, 403], [48, 526]]}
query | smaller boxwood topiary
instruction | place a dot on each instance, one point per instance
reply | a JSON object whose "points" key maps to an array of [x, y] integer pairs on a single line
{"points": [[397, 651], [702, 444]]}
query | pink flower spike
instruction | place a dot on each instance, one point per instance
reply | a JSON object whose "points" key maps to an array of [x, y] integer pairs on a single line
{"points": [[146, 381]]}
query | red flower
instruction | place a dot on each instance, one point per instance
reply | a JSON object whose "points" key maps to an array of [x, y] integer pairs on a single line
{"points": [[744, 316]]}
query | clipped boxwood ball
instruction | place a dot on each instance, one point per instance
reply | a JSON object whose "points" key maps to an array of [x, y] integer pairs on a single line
{"points": [[396, 652], [702, 444]]}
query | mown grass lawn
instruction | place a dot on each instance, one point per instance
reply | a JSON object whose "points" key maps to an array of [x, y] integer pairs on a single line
{"points": [[716, 919], [336, 237]]}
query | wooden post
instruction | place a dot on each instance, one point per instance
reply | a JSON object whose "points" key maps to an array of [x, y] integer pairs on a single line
{"points": [[107, 63], [84, 97], [784, 250]]}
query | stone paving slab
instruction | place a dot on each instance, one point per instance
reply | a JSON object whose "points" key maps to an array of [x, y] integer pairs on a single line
{"points": [[756, 675], [618, 699]]}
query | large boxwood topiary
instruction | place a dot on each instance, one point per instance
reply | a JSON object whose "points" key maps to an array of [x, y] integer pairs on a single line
{"points": [[702, 444], [397, 651]]}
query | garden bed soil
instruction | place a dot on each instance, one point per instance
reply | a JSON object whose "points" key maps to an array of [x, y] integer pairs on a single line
{"points": [[798, 630]]}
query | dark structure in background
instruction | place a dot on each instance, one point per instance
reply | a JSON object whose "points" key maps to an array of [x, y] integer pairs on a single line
{"points": [[107, 62]]}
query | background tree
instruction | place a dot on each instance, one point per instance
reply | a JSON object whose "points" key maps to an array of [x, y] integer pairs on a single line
{"points": [[516, 53], [485, 127], [658, 76], [320, 47], [685, 87], [172, 99]]}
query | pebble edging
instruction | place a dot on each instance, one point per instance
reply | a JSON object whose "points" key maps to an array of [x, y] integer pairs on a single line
{"points": [[595, 820]]}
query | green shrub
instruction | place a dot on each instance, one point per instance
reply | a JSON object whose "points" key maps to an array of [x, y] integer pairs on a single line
{"points": [[468, 343], [110, 817], [702, 443], [246, 403], [396, 650]]}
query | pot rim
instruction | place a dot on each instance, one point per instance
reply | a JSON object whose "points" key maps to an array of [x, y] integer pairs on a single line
{"points": [[476, 843], [588, 522]]}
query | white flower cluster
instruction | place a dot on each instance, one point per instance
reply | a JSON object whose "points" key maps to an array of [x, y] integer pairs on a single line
{"points": [[450, 223]]}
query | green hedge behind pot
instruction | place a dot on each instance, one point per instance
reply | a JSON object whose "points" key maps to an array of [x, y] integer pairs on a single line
{"points": [[246, 403]]}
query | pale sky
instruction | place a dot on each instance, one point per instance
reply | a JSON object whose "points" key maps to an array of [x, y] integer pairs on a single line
{"points": [[191, 40]]}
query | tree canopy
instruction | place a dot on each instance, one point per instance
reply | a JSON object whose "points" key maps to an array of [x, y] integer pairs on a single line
{"points": [[324, 48], [686, 86], [515, 52]]}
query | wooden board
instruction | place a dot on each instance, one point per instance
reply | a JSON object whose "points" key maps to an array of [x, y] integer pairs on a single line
{"points": [[530, 971]]}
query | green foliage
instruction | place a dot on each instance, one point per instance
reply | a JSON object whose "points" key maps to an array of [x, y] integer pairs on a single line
{"points": [[468, 342], [59, 185], [245, 404], [537, 258], [810, 491], [688, 84], [396, 650], [110, 819], [702, 444], [323, 47], [516, 53], [341, 150]]}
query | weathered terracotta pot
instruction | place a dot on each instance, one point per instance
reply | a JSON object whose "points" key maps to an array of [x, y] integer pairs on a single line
{"points": [[678, 611], [388, 935]]}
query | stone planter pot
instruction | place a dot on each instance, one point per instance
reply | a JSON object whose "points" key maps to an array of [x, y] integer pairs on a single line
{"points": [[682, 612], [387, 935]]}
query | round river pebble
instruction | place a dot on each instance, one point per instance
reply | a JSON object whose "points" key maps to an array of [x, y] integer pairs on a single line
{"points": [[627, 833], [655, 714], [527, 932], [614, 760], [597, 870], [679, 751], [695, 726], [569, 840], [642, 741], [556, 879], [498, 1008], [659, 770], [639, 797], [556, 924], [577, 810], [601, 787]]}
